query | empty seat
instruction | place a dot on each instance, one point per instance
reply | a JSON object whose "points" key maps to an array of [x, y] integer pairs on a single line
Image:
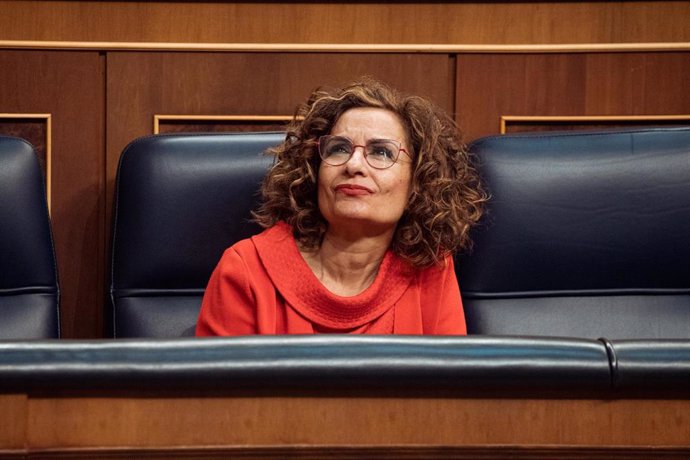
{"points": [[29, 295], [587, 234]]}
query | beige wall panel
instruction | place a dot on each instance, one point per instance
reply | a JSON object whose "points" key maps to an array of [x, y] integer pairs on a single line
{"points": [[491, 86], [69, 86], [483, 22]]}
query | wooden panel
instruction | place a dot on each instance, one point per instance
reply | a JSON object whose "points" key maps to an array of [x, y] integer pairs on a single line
{"points": [[155, 422], [141, 85], [491, 86], [485, 22], [36, 129], [638, 84], [521, 124], [387, 452], [319, 424], [32, 128], [219, 123], [13, 418], [70, 87]]}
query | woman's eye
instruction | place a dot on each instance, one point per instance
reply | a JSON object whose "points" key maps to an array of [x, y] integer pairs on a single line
{"points": [[339, 149], [381, 150]]}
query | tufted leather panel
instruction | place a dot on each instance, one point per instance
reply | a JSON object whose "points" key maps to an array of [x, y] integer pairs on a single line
{"points": [[180, 201], [586, 235], [28, 273]]}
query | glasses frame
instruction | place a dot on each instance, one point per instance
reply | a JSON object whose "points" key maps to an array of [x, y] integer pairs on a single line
{"points": [[323, 139]]}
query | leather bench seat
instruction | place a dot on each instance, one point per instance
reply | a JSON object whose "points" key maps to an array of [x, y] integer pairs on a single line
{"points": [[29, 292], [650, 364], [345, 362], [585, 235]]}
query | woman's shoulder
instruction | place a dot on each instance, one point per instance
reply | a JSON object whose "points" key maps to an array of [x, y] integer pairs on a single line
{"points": [[443, 269], [277, 234], [255, 253], [271, 242]]}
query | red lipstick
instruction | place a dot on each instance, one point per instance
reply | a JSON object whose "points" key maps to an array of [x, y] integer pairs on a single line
{"points": [[353, 189]]}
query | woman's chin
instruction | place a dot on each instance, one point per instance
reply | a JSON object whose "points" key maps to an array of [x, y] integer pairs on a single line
{"points": [[359, 217], [353, 213], [360, 223]]}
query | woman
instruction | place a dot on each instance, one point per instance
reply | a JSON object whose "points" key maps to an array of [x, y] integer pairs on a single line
{"points": [[369, 196]]}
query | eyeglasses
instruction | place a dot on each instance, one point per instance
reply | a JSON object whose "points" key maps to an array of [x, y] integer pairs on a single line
{"points": [[379, 153]]}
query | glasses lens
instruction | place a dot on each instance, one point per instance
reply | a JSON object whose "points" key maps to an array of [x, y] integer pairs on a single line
{"points": [[379, 153], [382, 153], [335, 150]]}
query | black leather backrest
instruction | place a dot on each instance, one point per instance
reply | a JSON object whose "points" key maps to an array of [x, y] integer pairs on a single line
{"points": [[28, 274], [587, 235], [181, 200]]}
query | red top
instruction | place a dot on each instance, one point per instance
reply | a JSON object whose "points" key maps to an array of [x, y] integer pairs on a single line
{"points": [[263, 285]]}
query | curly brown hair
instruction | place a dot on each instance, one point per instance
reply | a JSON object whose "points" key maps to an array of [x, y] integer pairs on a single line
{"points": [[446, 197]]}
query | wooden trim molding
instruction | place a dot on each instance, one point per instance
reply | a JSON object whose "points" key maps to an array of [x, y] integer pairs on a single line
{"points": [[397, 452], [47, 119], [157, 119], [595, 119], [345, 48]]}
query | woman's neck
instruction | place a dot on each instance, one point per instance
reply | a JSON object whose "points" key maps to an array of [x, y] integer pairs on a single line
{"points": [[347, 266]]}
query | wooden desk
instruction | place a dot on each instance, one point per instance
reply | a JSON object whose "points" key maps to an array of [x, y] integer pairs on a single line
{"points": [[320, 424], [342, 397]]}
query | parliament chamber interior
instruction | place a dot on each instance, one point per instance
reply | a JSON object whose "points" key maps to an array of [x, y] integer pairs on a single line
{"points": [[128, 128]]}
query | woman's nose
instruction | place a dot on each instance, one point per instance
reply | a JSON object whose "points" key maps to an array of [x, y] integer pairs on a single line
{"points": [[356, 161]]}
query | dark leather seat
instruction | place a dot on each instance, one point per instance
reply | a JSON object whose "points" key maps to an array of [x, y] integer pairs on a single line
{"points": [[29, 295], [305, 362], [563, 205], [180, 201], [649, 364], [586, 235]]}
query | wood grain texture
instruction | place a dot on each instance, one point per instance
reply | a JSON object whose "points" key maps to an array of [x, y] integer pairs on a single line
{"points": [[491, 86], [141, 85], [345, 22], [522, 124], [219, 123], [70, 87], [33, 129], [150, 422], [649, 47], [13, 419], [195, 126], [389, 452]]}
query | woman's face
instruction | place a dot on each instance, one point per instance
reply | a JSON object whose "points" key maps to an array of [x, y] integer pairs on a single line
{"points": [[355, 196]]}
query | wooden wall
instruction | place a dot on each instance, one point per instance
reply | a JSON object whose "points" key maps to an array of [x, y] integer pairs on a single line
{"points": [[99, 72], [361, 21]]}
